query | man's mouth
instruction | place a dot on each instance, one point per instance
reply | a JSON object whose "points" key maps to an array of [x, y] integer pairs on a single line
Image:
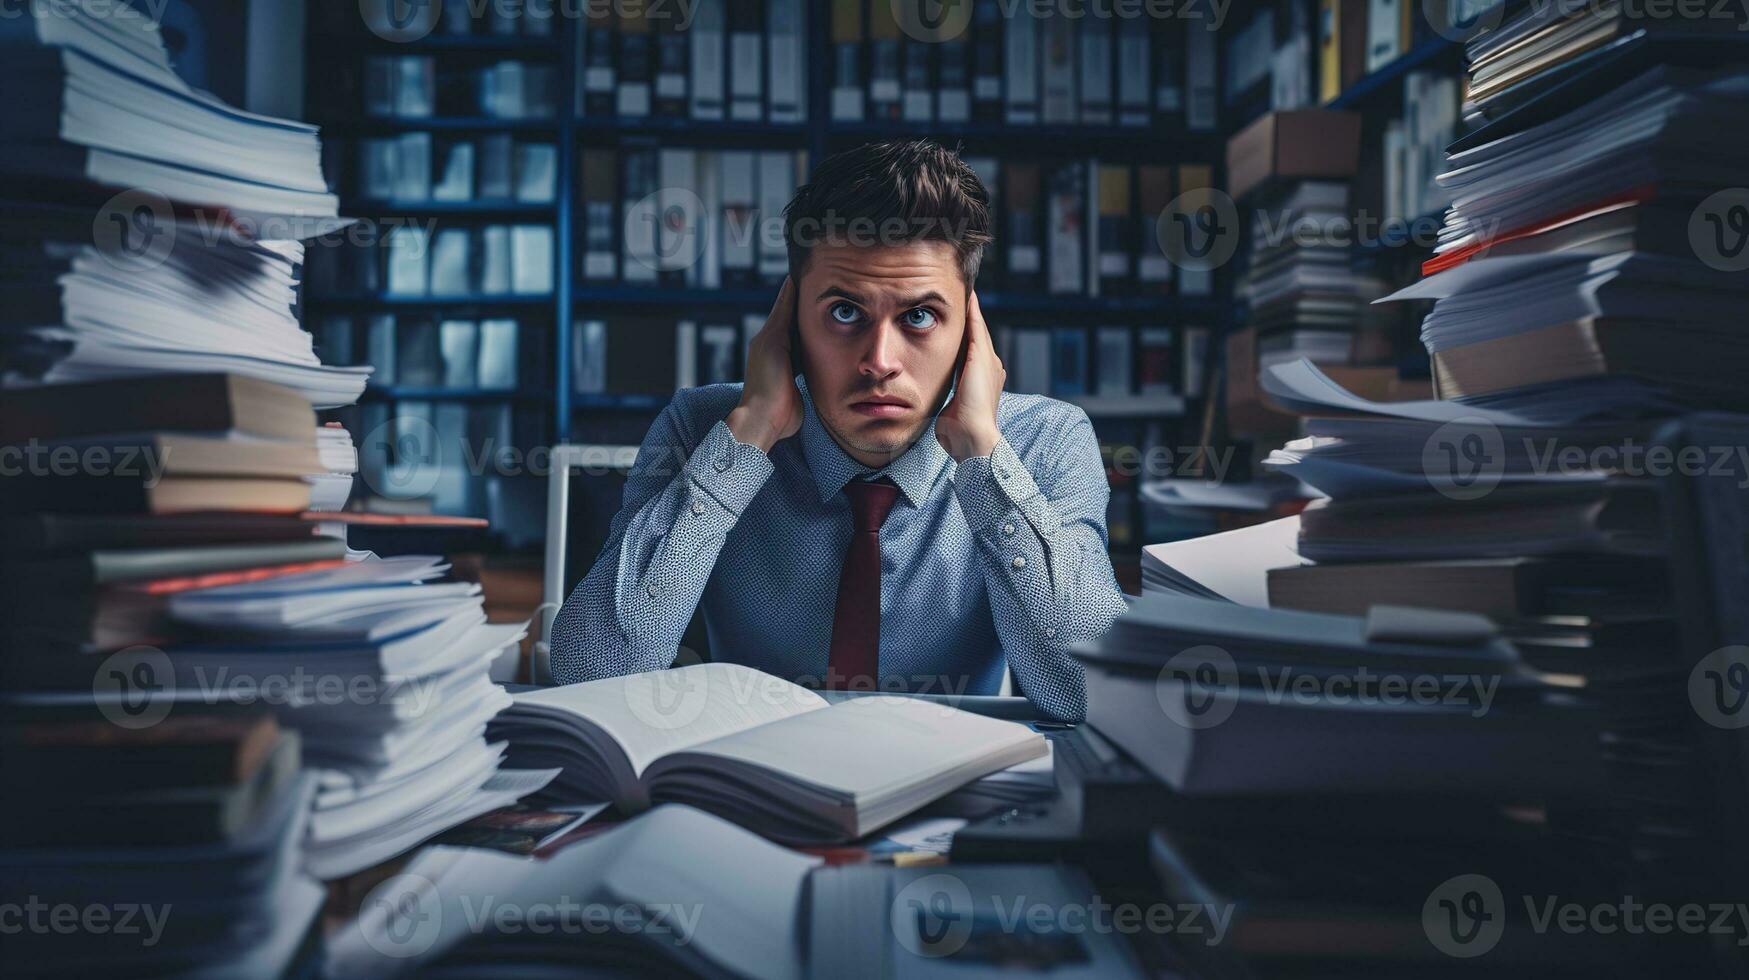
{"points": [[880, 406]]}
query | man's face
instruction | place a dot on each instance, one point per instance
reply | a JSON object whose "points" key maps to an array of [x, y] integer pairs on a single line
{"points": [[881, 330]]}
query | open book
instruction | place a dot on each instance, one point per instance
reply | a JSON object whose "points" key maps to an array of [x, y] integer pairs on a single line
{"points": [[770, 755]]}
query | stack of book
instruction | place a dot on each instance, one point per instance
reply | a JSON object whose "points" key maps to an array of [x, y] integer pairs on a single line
{"points": [[1413, 755], [384, 673], [158, 412], [1302, 295], [153, 842], [1574, 313]]}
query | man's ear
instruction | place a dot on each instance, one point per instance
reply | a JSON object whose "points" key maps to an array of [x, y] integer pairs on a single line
{"points": [[795, 344]]}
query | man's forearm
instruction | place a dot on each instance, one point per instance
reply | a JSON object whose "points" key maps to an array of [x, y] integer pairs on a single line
{"points": [[1048, 576], [628, 613]]}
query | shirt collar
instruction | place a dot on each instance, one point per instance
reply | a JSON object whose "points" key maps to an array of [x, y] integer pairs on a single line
{"points": [[914, 472]]}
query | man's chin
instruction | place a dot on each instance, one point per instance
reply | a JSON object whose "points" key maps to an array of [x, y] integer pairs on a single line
{"points": [[881, 437]]}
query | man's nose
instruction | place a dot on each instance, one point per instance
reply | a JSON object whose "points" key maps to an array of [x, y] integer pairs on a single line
{"points": [[880, 353]]}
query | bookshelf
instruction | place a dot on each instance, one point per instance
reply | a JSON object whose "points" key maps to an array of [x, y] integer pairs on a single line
{"points": [[341, 47], [1405, 89]]}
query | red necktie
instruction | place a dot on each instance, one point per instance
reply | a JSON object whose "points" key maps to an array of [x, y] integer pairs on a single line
{"points": [[856, 626]]}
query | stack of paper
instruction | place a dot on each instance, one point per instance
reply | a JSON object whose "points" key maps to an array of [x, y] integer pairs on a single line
{"points": [[1584, 290], [329, 491], [1219, 699], [1231, 566], [384, 672], [1300, 277], [94, 99]]}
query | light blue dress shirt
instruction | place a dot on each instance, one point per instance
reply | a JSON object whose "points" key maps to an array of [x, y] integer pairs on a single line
{"points": [[999, 561]]}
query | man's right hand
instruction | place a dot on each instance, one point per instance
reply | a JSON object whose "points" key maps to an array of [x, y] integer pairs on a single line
{"points": [[771, 406]]}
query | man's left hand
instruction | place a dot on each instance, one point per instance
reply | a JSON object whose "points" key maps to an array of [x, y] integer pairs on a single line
{"points": [[966, 427]]}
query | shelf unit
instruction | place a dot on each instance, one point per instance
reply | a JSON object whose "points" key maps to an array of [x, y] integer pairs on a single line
{"points": [[569, 413]]}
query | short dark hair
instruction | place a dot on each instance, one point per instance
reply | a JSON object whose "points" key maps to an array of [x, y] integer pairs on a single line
{"points": [[892, 193]]}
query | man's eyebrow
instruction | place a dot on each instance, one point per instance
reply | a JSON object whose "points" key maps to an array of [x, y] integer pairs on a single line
{"points": [[842, 294], [913, 301]]}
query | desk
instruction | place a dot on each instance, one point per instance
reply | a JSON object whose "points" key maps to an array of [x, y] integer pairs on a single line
{"points": [[858, 896]]}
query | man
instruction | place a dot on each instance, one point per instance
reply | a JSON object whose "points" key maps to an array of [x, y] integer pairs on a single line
{"points": [[871, 524]]}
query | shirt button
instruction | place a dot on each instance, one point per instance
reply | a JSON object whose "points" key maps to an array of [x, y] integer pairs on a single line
{"points": [[722, 465], [652, 590], [697, 507], [1019, 561], [1002, 471], [1050, 632], [1008, 528]]}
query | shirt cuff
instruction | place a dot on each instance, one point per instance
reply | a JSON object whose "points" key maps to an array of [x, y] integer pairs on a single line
{"points": [[731, 472], [992, 488]]}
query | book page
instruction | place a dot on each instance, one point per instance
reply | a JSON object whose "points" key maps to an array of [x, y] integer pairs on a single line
{"points": [[868, 747], [661, 711]]}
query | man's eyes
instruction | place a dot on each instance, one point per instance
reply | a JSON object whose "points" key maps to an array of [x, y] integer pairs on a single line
{"points": [[920, 318]]}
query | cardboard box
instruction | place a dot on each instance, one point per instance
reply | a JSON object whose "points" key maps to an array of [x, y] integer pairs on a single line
{"points": [[1292, 145]]}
